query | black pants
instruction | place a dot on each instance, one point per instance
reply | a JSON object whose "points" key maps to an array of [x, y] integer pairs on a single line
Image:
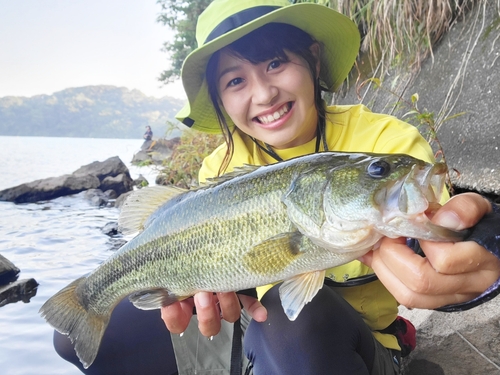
{"points": [[135, 342], [328, 337]]}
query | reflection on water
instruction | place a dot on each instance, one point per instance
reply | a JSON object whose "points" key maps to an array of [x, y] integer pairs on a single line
{"points": [[53, 242]]}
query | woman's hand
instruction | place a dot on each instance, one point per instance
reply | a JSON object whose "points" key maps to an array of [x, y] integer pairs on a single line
{"points": [[210, 309], [450, 273]]}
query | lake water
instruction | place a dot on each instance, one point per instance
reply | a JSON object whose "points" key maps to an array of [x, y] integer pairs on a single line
{"points": [[53, 242]]}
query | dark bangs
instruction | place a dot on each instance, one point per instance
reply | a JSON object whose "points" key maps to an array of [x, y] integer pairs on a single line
{"points": [[270, 41]]}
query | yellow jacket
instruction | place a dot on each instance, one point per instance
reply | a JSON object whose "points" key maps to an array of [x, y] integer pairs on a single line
{"points": [[348, 129]]}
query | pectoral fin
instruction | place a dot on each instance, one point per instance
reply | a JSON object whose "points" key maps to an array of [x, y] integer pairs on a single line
{"points": [[298, 291], [153, 299], [274, 254]]}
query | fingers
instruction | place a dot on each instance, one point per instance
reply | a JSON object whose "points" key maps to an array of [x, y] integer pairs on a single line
{"points": [[178, 315], [462, 211], [253, 306], [229, 306], [459, 257], [414, 281], [210, 309], [208, 313]]}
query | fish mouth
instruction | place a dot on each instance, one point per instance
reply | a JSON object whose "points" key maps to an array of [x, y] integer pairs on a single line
{"points": [[420, 189]]}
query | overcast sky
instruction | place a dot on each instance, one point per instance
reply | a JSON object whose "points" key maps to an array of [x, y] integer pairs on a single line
{"points": [[49, 45]]}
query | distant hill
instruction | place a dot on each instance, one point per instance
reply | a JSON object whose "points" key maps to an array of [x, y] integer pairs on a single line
{"points": [[91, 111]]}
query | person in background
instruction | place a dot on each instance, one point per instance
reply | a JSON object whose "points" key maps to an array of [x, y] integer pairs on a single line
{"points": [[148, 139], [148, 135], [257, 77]]}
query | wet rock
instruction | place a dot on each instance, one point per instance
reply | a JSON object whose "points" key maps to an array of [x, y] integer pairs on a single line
{"points": [[156, 152], [20, 290], [96, 197], [120, 183], [110, 194], [48, 188], [141, 181], [8, 271], [109, 174], [110, 229]]}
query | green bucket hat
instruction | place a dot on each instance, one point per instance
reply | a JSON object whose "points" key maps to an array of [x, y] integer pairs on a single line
{"points": [[225, 21]]}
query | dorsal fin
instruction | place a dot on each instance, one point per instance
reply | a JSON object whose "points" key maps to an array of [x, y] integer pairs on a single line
{"points": [[141, 204], [238, 171]]}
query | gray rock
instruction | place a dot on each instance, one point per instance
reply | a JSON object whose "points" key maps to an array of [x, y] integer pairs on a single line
{"points": [[110, 229], [96, 197], [49, 188], [8, 271], [120, 183], [20, 290], [141, 181], [110, 167], [106, 175]]}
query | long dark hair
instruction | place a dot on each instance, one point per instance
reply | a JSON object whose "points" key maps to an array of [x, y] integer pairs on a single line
{"points": [[265, 43]]}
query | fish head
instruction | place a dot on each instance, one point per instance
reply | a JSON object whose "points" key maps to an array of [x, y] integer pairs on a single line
{"points": [[376, 195]]}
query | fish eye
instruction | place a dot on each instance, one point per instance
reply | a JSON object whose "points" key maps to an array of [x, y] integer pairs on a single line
{"points": [[378, 169]]}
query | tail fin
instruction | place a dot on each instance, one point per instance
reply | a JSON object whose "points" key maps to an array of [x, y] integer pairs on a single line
{"points": [[67, 315]]}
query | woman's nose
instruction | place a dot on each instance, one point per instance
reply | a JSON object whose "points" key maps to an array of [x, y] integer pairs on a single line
{"points": [[263, 91]]}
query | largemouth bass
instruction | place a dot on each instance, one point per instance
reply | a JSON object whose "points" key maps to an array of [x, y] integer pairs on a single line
{"points": [[288, 222]]}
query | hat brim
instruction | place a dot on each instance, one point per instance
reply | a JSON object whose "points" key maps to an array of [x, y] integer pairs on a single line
{"points": [[337, 34]]}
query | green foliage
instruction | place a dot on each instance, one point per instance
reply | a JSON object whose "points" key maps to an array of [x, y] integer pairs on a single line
{"points": [[181, 169], [181, 16]]}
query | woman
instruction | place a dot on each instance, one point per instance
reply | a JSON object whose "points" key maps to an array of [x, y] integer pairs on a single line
{"points": [[257, 76], [266, 63]]}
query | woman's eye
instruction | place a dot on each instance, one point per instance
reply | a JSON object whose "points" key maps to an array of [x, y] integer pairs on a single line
{"points": [[274, 64], [234, 82]]}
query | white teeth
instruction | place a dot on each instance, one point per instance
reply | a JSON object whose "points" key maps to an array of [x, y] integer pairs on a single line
{"points": [[275, 116]]}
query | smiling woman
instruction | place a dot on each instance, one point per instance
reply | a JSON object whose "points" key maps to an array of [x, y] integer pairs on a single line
{"points": [[272, 100]]}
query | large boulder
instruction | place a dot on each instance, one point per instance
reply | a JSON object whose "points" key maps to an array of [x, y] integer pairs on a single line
{"points": [[49, 188], [109, 174]]}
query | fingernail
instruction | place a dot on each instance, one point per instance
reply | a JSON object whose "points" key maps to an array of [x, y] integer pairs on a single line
{"points": [[448, 219], [203, 299]]}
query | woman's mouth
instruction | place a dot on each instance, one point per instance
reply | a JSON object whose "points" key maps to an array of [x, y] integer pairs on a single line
{"points": [[279, 113]]}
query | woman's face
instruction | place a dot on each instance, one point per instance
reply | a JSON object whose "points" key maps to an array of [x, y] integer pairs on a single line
{"points": [[272, 101]]}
